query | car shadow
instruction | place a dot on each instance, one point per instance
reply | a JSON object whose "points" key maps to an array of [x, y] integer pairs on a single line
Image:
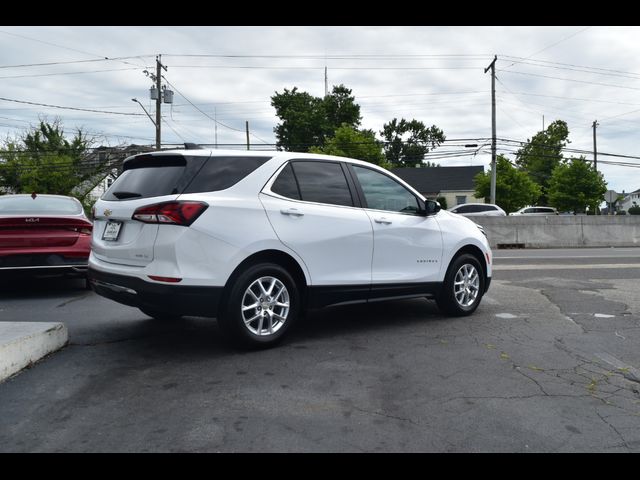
{"points": [[371, 317], [23, 286], [192, 338]]}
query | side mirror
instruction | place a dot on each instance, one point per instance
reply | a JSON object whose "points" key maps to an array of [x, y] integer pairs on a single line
{"points": [[429, 207]]}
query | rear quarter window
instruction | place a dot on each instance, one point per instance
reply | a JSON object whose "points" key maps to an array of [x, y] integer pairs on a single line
{"points": [[220, 173]]}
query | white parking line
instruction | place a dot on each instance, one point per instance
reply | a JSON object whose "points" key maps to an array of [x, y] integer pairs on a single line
{"points": [[538, 266]]}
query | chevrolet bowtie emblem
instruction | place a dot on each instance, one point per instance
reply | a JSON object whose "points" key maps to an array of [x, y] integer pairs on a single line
{"points": [[107, 212]]}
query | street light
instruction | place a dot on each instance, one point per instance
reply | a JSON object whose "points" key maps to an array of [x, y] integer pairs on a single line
{"points": [[145, 110]]}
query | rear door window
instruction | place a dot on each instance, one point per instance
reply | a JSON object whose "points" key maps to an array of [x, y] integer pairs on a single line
{"points": [[322, 182]]}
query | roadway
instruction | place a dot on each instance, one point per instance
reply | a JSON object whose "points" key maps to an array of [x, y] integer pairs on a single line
{"points": [[548, 363]]}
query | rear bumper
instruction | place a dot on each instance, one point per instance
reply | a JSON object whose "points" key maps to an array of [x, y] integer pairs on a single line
{"points": [[47, 262], [174, 299]]}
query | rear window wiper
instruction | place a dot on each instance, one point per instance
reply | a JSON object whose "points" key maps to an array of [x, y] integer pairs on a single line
{"points": [[122, 195]]}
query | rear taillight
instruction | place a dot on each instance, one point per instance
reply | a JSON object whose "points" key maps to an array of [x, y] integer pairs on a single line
{"points": [[172, 213]]}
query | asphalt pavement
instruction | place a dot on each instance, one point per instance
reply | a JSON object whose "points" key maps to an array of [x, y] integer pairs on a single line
{"points": [[548, 363]]}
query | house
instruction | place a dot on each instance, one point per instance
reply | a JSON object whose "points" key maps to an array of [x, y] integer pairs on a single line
{"points": [[629, 199], [455, 184]]}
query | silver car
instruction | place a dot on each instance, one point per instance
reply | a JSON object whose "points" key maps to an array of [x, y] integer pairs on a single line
{"points": [[478, 209], [536, 211]]}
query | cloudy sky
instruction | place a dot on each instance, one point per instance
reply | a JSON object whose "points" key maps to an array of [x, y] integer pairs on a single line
{"points": [[434, 74]]}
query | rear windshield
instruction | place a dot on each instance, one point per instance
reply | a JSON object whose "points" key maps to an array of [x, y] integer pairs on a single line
{"points": [[157, 175], [41, 205]]}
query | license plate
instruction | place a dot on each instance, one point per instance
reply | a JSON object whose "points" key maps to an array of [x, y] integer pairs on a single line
{"points": [[111, 231]]}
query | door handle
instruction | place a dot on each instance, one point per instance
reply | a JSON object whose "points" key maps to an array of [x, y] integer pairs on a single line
{"points": [[382, 220], [291, 211]]}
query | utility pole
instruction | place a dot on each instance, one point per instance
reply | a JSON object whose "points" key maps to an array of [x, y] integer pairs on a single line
{"points": [[492, 66], [595, 154], [326, 83], [247, 127], [158, 122], [595, 150]]}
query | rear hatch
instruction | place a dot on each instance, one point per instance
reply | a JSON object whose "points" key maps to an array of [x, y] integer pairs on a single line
{"points": [[145, 179], [150, 179]]}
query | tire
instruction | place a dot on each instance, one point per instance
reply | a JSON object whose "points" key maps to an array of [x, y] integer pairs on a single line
{"points": [[460, 299], [262, 306], [158, 315]]}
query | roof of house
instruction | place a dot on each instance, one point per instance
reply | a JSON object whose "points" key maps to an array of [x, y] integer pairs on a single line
{"points": [[437, 179]]}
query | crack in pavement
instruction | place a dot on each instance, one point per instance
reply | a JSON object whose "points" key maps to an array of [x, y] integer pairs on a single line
{"points": [[624, 441], [386, 415]]}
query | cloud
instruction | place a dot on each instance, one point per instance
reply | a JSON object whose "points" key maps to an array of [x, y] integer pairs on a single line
{"points": [[434, 74]]}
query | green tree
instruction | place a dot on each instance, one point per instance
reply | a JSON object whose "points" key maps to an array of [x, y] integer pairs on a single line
{"points": [[514, 188], [306, 121], [576, 185], [43, 160], [407, 142], [540, 155], [349, 142]]}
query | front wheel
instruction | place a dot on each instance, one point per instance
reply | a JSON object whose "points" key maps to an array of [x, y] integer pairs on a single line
{"points": [[263, 304], [463, 287]]}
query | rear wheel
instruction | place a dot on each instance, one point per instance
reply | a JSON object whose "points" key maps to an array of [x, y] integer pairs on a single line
{"points": [[463, 286], [159, 315], [263, 304]]}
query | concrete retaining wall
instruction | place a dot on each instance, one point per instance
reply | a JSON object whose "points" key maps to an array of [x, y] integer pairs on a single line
{"points": [[557, 231]]}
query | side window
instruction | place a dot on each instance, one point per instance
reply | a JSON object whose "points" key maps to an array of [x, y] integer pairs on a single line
{"points": [[464, 209], [485, 208], [286, 184], [322, 182], [384, 193], [530, 210]]}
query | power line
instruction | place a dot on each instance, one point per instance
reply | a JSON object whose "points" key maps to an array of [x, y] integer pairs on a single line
{"points": [[585, 67], [66, 48], [552, 45], [53, 74], [569, 79], [206, 114], [70, 108], [69, 62], [332, 57]]}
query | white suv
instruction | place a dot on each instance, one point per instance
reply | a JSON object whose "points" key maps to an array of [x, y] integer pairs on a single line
{"points": [[256, 238]]}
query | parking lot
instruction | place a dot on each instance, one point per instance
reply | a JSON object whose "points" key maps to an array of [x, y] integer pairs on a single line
{"points": [[549, 362]]}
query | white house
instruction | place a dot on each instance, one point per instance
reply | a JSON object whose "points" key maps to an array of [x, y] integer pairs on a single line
{"points": [[629, 200]]}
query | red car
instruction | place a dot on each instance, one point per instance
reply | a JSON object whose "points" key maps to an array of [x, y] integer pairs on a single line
{"points": [[43, 234]]}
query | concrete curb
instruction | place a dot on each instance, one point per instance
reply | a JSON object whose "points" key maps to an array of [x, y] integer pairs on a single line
{"points": [[23, 343]]}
